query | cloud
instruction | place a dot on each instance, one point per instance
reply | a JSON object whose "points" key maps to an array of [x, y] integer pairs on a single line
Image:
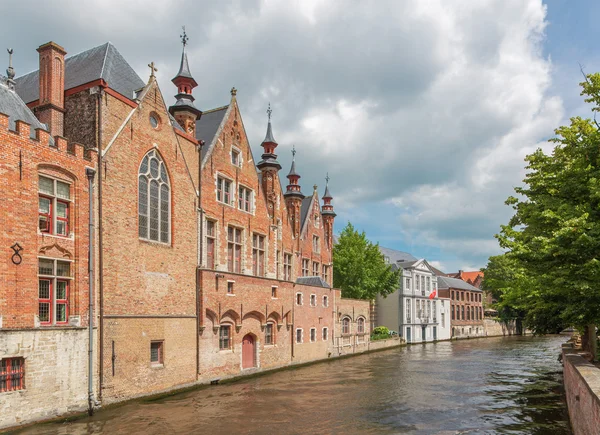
{"points": [[421, 111]]}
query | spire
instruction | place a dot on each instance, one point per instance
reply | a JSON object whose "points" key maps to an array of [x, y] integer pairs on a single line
{"points": [[269, 158], [184, 67], [327, 195], [293, 172], [327, 209], [293, 189]]}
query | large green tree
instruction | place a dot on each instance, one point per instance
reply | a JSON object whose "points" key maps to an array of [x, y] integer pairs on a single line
{"points": [[359, 267], [555, 232]]}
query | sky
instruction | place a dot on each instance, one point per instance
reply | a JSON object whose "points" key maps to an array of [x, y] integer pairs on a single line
{"points": [[420, 111]]}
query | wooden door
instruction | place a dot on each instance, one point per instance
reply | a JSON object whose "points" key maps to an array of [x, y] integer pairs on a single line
{"points": [[248, 352]]}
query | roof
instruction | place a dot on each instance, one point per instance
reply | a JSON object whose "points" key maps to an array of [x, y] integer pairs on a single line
{"points": [[314, 281], [12, 105], [327, 195], [395, 255], [467, 276], [293, 170], [184, 67], [447, 282], [437, 271], [102, 62], [208, 125], [269, 136], [305, 209]]}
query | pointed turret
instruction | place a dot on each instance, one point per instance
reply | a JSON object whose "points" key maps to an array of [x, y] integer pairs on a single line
{"points": [[269, 158], [293, 196], [328, 213], [184, 110]]}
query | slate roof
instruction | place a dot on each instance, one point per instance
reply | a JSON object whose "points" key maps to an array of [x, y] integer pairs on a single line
{"points": [[305, 209], [315, 281], [12, 105], [103, 62], [269, 136], [395, 255], [445, 282], [207, 127], [327, 195]]}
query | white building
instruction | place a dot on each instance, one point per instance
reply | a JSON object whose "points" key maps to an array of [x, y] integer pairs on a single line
{"points": [[414, 310]]}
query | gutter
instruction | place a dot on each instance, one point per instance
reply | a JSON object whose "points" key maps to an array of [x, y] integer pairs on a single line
{"points": [[100, 248], [90, 173]]}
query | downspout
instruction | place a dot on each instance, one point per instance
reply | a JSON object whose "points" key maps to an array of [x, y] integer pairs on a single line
{"points": [[100, 247], [199, 322], [293, 334], [89, 172]]}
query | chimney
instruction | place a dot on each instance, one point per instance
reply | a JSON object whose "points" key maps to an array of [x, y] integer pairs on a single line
{"points": [[51, 106]]}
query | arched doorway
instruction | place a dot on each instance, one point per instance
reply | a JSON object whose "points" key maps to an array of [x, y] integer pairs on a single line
{"points": [[248, 351]]}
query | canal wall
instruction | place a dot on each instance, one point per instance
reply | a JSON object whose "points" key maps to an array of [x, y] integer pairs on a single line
{"points": [[582, 391], [496, 328]]}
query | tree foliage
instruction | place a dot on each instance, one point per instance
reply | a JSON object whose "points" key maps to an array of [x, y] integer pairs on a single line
{"points": [[360, 270], [553, 239]]}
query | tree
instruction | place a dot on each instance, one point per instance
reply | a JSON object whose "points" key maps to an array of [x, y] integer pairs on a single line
{"points": [[360, 269], [555, 232]]}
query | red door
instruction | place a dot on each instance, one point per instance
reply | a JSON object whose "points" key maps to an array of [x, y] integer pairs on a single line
{"points": [[248, 352]]}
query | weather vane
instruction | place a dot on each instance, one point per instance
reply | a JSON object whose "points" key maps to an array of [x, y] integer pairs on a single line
{"points": [[269, 111], [293, 151], [327, 178], [184, 37]]}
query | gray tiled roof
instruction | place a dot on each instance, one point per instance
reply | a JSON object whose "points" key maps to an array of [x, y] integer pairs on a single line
{"points": [[207, 127], [396, 256], [446, 282], [16, 109], [102, 62], [305, 209], [314, 281]]}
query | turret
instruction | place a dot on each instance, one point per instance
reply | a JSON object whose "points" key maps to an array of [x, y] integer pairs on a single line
{"points": [[269, 167], [293, 196], [184, 111], [328, 214]]}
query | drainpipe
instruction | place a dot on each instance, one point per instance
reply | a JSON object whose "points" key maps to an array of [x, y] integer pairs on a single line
{"points": [[199, 319], [90, 173], [100, 247]]}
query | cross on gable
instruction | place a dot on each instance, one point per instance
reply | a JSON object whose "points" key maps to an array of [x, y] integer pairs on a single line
{"points": [[153, 69]]}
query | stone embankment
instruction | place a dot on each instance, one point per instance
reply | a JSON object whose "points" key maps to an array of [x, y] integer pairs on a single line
{"points": [[582, 390]]}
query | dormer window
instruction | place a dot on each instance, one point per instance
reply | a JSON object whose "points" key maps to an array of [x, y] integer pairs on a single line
{"points": [[235, 158]]}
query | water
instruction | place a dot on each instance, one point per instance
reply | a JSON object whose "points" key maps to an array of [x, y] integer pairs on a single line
{"points": [[482, 386]]}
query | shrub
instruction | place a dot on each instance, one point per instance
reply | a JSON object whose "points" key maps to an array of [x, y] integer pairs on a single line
{"points": [[381, 330]]}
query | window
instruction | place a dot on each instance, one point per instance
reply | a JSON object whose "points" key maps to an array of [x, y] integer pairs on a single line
{"points": [[417, 283], [408, 283], [258, 255], [298, 335], [154, 199], [305, 262], [326, 273], [210, 244], [224, 190], [53, 291], [316, 268], [443, 318], [316, 245], [225, 337], [452, 295], [434, 308], [230, 289], [12, 374], [462, 312], [422, 286], [462, 296], [235, 157], [313, 300], [156, 353], [234, 249], [480, 313], [269, 336], [428, 310], [53, 206], [313, 335], [408, 320], [317, 220], [298, 298], [453, 318], [287, 267], [325, 334], [472, 313], [345, 325], [428, 286], [360, 326], [277, 263], [245, 199], [274, 292], [325, 301]]}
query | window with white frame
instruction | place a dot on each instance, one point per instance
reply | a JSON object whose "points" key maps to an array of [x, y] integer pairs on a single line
{"points": [[305, 263], [156, 353], [360, 326], [287, 267], [53, 206], [325, 301], [346, 325], [422, 285], [258, 255], [316, 245], [245, 196], [225, 337], [417, 283], [235, 157], [313, 335], [269, 334], [408, 319], [154, 195], [316, 267], [234, 249], [298, 298], [326, 273], [211, 242], [224, 190], [299, 335], [317, 220], [408, 283], [325, 334], [428, 287], [313, 300], [54, 280]]}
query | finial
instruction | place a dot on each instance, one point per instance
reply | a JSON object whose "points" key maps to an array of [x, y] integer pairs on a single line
{"points": [[269, 111], [293, 152], [327, 178], [184, 37], [10, 72], [152, 69], [233, 91], [315, 188]]}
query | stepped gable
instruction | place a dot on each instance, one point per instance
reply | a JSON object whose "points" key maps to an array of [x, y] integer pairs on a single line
{"points": [[102, 62]]}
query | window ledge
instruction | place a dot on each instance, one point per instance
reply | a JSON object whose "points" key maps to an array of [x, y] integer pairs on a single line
{"points": [[156, 366], [230, 294], [155, 243], [225, 351], [57, 236]]}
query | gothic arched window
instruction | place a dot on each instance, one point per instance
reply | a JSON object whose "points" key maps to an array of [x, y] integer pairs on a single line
{"points": [[154, 211]]}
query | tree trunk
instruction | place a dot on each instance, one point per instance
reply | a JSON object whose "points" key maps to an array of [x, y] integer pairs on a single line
{"points": [[589, 340]]}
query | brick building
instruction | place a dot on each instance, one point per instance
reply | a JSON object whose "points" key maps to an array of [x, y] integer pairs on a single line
{"points": [[206, 267], [44, 290], [466, 307]]}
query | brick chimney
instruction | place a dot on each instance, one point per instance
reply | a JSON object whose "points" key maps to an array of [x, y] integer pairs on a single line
{"points": [[51, 106]]}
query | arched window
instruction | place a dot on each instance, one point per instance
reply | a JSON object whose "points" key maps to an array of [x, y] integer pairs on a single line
{"points": [[154, 199], [360, 327], [346, 325]]}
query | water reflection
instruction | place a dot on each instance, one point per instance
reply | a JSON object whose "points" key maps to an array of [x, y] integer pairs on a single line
{"points": [[484, 386]]}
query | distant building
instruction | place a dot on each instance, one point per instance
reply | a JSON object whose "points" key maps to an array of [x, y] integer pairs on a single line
{"points": [[466, 307], [415, 309], [475, 278]]}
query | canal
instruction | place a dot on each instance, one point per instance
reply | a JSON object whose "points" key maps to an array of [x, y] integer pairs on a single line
{"points": [[481, 386]]}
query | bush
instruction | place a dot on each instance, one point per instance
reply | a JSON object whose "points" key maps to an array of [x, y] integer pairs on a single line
{"points": [[381, 330]]}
